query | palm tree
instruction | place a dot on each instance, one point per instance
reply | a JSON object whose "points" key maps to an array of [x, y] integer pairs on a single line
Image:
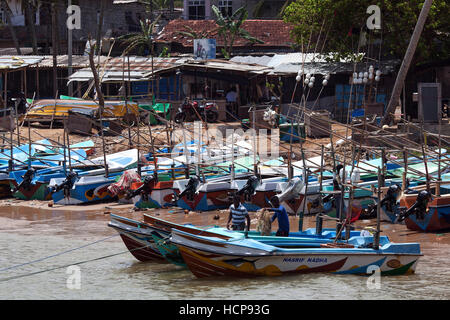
{"points": [[230, 28], [140, 40]]}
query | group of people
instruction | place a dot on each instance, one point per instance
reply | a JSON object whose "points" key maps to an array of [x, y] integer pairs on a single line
{"points": [[239, 219]]}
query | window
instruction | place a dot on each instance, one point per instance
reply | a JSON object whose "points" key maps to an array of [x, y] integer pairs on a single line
{"points": [[2, 16], [196, 9], [226, 7]]}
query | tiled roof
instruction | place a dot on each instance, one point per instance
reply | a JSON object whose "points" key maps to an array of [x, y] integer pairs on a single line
{"points": [[274, 33]]}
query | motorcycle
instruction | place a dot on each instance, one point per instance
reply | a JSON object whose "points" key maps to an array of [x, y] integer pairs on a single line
{"points": [[192, 109]]}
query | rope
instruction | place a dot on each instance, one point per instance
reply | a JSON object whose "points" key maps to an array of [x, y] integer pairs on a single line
{"points": [[55, 255], [68, 265]]}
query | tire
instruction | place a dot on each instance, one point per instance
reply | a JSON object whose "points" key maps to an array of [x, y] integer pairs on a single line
{"points": [[211, 116], [180, 117]]}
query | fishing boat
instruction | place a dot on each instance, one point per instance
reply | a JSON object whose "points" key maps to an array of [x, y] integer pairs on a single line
{"points": [[419, 209], [208, 256], [435, 218], [5, 189], [93, 185], [153, 234], [58, 109], [137, 237]]}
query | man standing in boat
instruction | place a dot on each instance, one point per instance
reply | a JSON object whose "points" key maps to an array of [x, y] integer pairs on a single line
{"points": [[238, 215], [281, 215]]}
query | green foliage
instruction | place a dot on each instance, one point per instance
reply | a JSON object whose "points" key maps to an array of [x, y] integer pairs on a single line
{"points": [[230, 28], [140, 40], [398, 19], [165, 53]]}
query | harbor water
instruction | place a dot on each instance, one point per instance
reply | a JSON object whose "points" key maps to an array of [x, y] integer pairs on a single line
{"points": [[28, 234]]}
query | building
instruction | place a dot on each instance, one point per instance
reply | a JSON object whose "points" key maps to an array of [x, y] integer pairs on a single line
{"points": [[275, 35], [257, 9], [120, 17]]}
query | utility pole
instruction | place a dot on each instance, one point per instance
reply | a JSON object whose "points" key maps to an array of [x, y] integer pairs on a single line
{"points": [[400, 81], [69, 49]]}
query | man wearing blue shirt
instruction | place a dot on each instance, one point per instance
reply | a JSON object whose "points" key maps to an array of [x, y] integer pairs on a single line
{"points": [[281, 215]]}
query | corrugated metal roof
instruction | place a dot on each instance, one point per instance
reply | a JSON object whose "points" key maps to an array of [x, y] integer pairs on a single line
{"points": [[16, 63], [78, 61], [220, 64], [117, 69], [284, 64]]}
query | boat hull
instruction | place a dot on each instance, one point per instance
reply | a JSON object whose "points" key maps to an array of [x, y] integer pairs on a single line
{"points": [[207, 257], [160, 196], [138, 239], [204, 264], [437, 218]]}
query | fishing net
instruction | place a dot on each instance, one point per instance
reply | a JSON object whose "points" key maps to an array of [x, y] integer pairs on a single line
{"points": [[264, 224]]}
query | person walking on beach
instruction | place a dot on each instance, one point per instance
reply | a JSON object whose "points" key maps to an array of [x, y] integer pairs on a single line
{"points": [[280, 213], [238, 215]]}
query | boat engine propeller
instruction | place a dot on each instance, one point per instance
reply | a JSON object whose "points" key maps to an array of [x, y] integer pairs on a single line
{"points": [[249, 188], [66, 185], [419, 208], [26, 182], [144, 190], [190, 189]]}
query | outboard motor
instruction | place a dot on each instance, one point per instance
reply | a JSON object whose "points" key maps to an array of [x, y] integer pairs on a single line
{"points": [[144, 190], [419, 208], [391, 197], [191, 187], [26, 182], [249, 188], [390, 200], [66, 185], [291, 191]]}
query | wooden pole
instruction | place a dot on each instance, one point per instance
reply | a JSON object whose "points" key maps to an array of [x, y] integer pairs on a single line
{"points": [[426, 168], [376, 237], [101, 102]]}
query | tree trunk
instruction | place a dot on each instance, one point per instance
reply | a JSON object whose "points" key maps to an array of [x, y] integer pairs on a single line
{"points": [[98, 88], [99, 27], [7, 11], [31, 26]]}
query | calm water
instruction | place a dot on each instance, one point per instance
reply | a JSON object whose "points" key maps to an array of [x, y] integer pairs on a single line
{"points": [[28, 234]]}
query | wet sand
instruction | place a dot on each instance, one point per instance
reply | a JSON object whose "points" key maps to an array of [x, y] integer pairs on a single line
{"points": [[32, 231]]}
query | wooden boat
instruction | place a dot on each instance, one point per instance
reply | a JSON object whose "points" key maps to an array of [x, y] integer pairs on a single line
{"points": [[57, 109], [153, 233], [436, 218], [137, 237], [210, 256], [92, 186], [150, 194], [5, 189]]}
